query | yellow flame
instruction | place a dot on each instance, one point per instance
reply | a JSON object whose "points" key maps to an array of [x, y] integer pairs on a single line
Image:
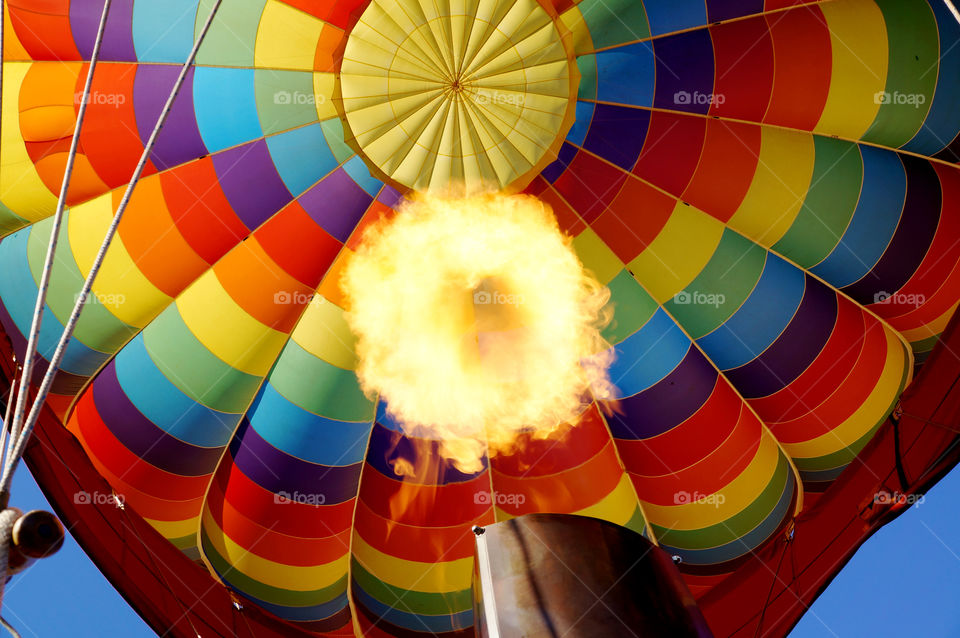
{"points": [[476, 322]]}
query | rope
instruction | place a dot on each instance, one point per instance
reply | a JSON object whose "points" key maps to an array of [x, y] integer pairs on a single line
{"points": [[30, 356], [8, 517], [19, 441]]}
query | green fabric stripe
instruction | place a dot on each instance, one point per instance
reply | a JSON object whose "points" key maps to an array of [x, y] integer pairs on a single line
{"points": [[637, 522], [736, 526], [98, 328], [333, 132], [410, 601], [199, 373], [268, 593], [925, 345], [233, 35], [588, 77], [277, 114], [318, 387], [632, 307], [10, 222], [913, 55], [184, 543], [727, 280], [614, 22], [829, 205]]}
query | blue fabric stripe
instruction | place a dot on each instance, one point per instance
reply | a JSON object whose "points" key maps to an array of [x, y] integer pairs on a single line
{"points": [[154, 395], [302, 157], [873, 223], [164, 31], [636, 62], [648, 355], [762, 317], [226, 107], [18, 290], [302, 434]]}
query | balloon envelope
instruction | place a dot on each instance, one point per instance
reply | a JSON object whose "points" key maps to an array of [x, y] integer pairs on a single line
{"points": [[768, 189]]}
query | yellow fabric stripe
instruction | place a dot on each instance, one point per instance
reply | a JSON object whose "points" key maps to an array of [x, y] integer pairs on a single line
{"points": [[175, 529], [323, 89], [737, 495], [433, 578], [287, 38], [870, 412], [858, 36], [935, 327], [268, 572], [324, 333], [22, 190], [779, 186], [678, 254], [573, 20], [618, 506], [125, 290], [86, 227], [597, 256], [120, 286], [226, 329]]}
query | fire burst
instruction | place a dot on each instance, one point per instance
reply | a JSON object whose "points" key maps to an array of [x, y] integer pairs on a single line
{"points": [[476, 322]]}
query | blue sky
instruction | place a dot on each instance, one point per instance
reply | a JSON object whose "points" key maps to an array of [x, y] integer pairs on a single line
{"points": [[903, 582]]}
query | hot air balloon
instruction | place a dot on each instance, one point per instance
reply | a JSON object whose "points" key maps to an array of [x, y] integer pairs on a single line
{"points": [[768, 189]]}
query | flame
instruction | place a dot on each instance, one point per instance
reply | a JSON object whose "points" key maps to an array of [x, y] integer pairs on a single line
{"points": [[476, 322]]}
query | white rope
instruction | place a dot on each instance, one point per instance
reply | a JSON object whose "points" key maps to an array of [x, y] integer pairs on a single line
{"points": [[10, 401], [31, 353], [953, 9], [23, 435]]}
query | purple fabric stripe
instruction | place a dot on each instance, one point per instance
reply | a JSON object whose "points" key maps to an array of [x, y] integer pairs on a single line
{"points": [[63, 383], [387, 446], [142, 437], [180, 140], [251, 182], [667, 403], [118, 38], [726, 9], [617, 134], [911, 241], [337, 204], [389, 196], [795, 349], [564, 158], [684, 72], [278, 472]]}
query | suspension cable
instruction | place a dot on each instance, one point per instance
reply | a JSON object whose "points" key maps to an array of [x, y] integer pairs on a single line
{"points": [[30, 356], [23, 435]]}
